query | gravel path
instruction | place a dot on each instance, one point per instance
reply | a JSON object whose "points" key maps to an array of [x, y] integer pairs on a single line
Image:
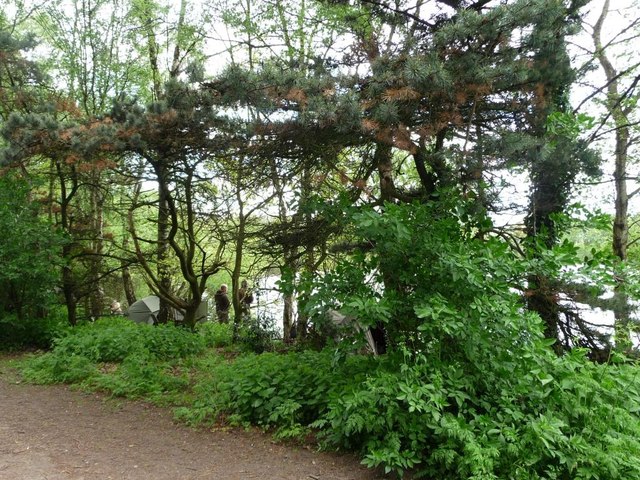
{"points": [[55, 433]]}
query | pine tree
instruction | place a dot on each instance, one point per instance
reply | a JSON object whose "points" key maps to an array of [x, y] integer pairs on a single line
{"points": [[442, 87]]}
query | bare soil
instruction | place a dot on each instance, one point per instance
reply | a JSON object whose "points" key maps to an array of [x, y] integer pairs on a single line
{"points": [[57, 433]]}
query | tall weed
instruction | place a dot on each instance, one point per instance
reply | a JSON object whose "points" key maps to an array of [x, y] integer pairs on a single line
{"points": [[282, 391], [216, 334]]}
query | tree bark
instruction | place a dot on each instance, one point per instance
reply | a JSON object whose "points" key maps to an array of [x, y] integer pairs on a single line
{"points": [[620, 237], [96, 296]]}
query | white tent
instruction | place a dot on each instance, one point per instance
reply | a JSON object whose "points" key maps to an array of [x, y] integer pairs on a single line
{"points": [[146, 310]]}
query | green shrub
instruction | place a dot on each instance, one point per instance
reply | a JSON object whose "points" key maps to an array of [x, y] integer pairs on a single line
{"points": [[257, 334], [114, 339], [142, 376], [216, 334], [106, 340], [30, 265], [168, 341], [206, 402], [33, 332], [470, 390], [283, 391], [567, 418], [51, 368], [137, 350]]}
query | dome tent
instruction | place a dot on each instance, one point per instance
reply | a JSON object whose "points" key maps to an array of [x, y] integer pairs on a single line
{"points": [[146, 310]]}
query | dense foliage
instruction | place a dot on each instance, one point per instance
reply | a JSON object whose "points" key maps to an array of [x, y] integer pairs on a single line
{"points": [[360, 152], [519, 413], [29, 257]]}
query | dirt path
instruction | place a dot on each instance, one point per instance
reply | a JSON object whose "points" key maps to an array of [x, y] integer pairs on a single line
{"points": [[54, 433]]}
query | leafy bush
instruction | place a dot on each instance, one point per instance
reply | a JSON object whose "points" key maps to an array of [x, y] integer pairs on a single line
{"points": [[206, 402], [471, 389], [105, 340], [168, 341], [114, 339], [51, 368], [567, 418], [258, 334], [142, 376], [33, 331], [284, 391], [27, 254], [216, 334], [140, 349]]}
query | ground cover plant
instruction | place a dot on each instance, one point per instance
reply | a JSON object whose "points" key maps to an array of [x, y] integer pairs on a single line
{"points": [[475, 392], [531, 415], [469, 388]]}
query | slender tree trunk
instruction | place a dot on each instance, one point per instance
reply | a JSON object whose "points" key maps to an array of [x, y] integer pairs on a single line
{"points": [[287, 317], [69, 288], [237, 265], [309, 256], [384, 161], [289, 263], [67, 192], [96, 296], [127, 284], [164, 227], [127, 281], [620, 232]]}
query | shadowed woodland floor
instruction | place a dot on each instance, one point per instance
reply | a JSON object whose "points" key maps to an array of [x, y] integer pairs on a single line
{"points": [[55, 433]]}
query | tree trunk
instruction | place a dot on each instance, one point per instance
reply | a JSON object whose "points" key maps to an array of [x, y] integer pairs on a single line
{"points": [[237, 265], [620, 232], [289, 262], [96, 295], [287, 318], [69, 288], [127, 284], [127, 281], [67, 192], [164, 227]]}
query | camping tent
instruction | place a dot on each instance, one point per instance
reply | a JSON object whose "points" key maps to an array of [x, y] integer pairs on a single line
{"points": [[146, 310]]}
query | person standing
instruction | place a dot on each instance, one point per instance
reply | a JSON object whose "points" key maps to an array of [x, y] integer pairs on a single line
{"points": [[222, 304], [115, 308], [245, 298]]}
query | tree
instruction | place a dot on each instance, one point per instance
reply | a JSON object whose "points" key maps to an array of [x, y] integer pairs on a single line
{"points": [[21, 80], [423, 83], [88, 54], [620, 101], [29, 261], [286, 35], [175, 137], [557, 158], [185, 40]]}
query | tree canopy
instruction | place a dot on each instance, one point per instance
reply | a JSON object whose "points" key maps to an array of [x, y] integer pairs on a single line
{"points": [[365, 153]]}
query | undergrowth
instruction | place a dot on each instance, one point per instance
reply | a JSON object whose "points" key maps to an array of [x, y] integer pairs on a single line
{"points": [[530, 415]]}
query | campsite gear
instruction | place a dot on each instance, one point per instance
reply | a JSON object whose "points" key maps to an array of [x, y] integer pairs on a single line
{"points": [[146, 310]]}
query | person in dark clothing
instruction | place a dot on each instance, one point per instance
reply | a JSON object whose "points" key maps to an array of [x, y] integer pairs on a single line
{"points": [[222, 304], [245, 298]]}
